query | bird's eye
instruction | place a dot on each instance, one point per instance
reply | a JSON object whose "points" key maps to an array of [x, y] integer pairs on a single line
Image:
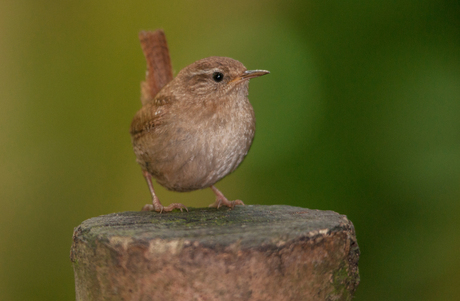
{"points": [[217, 76]]}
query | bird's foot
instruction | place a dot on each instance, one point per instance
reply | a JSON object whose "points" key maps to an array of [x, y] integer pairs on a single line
{"points": [[156, 205], [160, 208], [224, 202], [221, 200]]}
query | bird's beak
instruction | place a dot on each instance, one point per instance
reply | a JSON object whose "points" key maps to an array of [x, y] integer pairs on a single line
{"points": [[250, 74]]}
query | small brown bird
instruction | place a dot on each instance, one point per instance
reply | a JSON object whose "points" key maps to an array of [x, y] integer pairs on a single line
{"points": [[195, 129]]}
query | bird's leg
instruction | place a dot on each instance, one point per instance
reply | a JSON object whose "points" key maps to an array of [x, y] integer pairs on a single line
{"points": [[156, 205], [221, 200]]}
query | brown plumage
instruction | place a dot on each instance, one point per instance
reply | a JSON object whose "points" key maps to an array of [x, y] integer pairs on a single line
{"points": [[199, 126]]}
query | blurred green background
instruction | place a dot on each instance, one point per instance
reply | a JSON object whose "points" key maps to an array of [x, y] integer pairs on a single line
{"points": [[360, 115]]}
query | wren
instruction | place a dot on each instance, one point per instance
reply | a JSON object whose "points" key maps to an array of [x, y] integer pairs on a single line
{"points": [[195, 129]]}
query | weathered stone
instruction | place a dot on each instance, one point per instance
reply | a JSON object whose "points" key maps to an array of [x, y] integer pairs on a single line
{"points": [[248, 253]]}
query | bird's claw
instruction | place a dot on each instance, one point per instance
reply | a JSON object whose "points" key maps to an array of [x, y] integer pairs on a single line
{"points": [[224, 202], [160, 208]]}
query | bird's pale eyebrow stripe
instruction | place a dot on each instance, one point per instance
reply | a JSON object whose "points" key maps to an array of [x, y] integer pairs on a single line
{"points": [[206, 72], [201, 72]]}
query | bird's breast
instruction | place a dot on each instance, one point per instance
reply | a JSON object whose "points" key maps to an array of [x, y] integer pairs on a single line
{"points": [[207, 146]]}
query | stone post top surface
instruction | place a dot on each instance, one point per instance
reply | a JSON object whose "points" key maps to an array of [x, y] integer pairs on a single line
{"points": [[251, 226]]}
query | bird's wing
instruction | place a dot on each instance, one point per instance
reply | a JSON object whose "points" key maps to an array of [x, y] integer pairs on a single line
{"points": [[150, 116], [159, 68]]}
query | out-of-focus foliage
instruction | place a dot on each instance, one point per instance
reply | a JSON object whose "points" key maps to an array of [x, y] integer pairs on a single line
{"points": [[360, 115]]}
